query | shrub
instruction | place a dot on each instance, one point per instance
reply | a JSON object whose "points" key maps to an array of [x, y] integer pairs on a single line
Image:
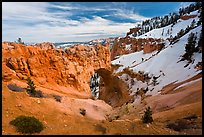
{"points": [[115, 66], [179, 125], [199, 65], [27, 124], [193, 116], [15, 88], [100, 128], [38, 94], [147, 118], [57, 98], [82, 111]]}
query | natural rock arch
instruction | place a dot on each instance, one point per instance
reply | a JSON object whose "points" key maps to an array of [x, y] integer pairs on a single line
{"points": [[72, 67], [112, 89]]}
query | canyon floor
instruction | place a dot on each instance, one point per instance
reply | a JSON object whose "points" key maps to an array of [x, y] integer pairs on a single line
{"points": [[64, 117]]}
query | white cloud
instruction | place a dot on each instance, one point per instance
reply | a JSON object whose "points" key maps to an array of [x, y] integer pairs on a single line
{"points": [[34, 23], [91, 29], [67, 7], [135, 17]]}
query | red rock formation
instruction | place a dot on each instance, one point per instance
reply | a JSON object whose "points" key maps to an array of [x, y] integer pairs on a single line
{"points": [[186, 17], [45, 45], [147, 45], [73, 66], [133, 30]]}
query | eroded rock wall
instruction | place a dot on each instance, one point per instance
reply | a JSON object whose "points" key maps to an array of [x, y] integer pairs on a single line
{"points": [[128, 45], [71, 67]]}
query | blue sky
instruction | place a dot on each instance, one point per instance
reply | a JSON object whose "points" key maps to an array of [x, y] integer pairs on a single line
{"points": [[76, 21]]}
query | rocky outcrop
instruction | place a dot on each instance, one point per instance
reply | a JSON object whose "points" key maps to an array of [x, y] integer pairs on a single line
{"points": [[133, 30], [45, 64], [113, 90], [45, 45], [186, 17], [128, 45]]}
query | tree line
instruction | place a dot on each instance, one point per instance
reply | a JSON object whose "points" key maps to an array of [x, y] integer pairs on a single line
{"points": [[172, 18]]}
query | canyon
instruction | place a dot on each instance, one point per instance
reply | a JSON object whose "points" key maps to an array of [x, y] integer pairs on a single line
{"points": [[133, 73], [67, 73], [72, 67]]}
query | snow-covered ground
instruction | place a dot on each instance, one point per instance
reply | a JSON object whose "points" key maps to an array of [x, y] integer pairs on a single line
{"points": [[132, 59], [164, 64]]}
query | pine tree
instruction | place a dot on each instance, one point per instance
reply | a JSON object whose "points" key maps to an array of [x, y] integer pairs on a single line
{"points": [[171, 30], [199, 47], [187, 29], [31, 87], [167, 33], [154, 81], [181, 11], [162, 32], [200, 17], [20, 41], [190, 47], [198, 5], [180, 33], [193, 23], [147, 118]]}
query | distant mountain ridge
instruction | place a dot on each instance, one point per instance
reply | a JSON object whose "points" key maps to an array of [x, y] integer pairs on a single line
{"points": [[102, 41]]}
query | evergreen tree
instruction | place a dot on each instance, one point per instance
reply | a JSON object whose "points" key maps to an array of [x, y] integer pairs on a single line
{"points": [[20, 41], [199, 47], [190, 47], [162, 32], [147, 118], [198, 5], [31, 87], [187, 29], [154, 81], [193, 23], [200, 17], [181, 11], [171, 30], [167, 33], [180, 33]]}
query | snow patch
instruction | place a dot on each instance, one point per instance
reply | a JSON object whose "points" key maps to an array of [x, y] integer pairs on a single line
{"points": [[128, 47], [188, 83]]}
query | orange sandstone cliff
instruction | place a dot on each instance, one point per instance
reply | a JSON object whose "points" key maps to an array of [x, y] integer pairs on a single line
{"points": [[73, 66]]}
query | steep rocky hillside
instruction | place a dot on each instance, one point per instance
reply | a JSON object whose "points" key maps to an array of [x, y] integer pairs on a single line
{"points": [[165, 66], [153, 34]]}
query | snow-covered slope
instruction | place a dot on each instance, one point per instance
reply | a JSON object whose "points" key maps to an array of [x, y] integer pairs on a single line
{"points": [[181, 24], [164, 64]]}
